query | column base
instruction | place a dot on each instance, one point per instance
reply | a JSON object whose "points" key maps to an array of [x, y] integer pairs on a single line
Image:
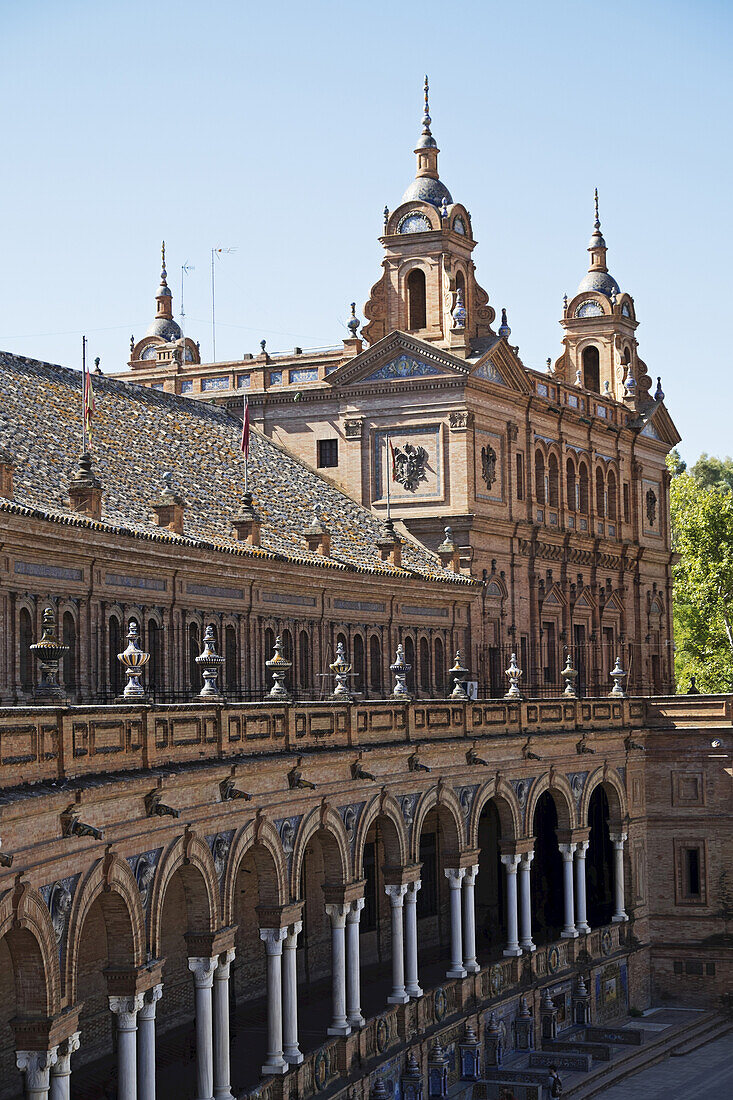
{"points": [[570, 935], [293, 1057], [527, 946], [619, 918], [226, 1094], [357, 1022], [512, 952], [339, 1029], [456, 972], [583, 929], [413, 990], [398, 999], [271, 1068], [471, 967]]}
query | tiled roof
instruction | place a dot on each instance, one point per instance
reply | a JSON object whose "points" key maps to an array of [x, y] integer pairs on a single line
{"points": [[140, 433]]}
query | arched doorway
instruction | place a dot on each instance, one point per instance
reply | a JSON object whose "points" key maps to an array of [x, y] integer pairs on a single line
{"points": [[599, 861], [547, 873], [491, 924]]}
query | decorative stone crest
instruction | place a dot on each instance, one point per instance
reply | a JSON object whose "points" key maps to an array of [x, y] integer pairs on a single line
{"points": [[408, 803], [143, 867], [459, 420], [409, 466], [288, 828], [651, 507], [220, 843], [488, 465], [353, 428]]}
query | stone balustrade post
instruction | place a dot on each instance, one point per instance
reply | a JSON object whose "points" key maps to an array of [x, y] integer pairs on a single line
{"points": [[455, 876]]}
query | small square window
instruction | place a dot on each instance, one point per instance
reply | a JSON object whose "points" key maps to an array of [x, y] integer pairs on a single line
{"points": [[678, 967], [710, 969], [328, 453]]}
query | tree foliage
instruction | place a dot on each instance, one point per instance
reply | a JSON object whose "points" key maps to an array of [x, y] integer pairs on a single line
{"points": [[702, 523]]}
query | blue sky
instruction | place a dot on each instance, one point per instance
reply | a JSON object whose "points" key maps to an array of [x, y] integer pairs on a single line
{"points": [[282, 129]]}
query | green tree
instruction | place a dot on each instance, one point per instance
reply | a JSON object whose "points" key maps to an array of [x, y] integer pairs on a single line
{"points": [[711, 472], [676, 463], [702, 523]]}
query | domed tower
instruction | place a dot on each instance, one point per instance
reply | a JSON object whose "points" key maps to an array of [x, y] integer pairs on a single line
{"points": [[163, 342], [428, 286], [600, 323]]}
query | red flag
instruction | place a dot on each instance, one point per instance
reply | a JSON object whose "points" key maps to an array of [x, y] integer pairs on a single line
{"points": [[245, 430]]}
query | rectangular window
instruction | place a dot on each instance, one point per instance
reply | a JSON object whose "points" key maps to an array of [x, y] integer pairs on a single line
{"points": [[627, 503], [427, 898], [520, 477], [328, 453], [692, 872], [694, 967], [550, 653], [370, 914]]}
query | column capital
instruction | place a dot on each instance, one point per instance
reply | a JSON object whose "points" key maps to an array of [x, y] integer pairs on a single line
{"points": [[69, 1046], [36, 1064], [150, 999], [581, 848], [203, 969], [273, 939], [337, 914], [618, 839], [455, 876], [566, 851], [293, 931], [353, 915], [526, 858], [412, 889], [126, 1010], [396, 894], [511, 862], [471, 872]]}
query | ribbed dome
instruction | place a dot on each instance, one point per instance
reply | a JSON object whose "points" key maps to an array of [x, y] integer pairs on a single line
{"points": [[166, 328], [426, 189]]}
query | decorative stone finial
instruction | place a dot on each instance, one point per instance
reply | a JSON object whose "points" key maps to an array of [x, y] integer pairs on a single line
{"points": [[386, 216], [399, 670], [353, 323], [280, 666], [134, 660], [341, 670], [618, 676], [460, 675], [569, 675], [597, 222], [163, 272], [211, 664], [85, 490], [97, 368], [444, 208], [426, 119], [504, 329], [49, 651], [412, 1066], [659, 392], [459, 314], [378, 1090], [514, 674], [578, 378], [169, 507]]}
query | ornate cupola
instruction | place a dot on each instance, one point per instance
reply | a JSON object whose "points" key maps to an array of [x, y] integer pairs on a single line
{"points": [[163, 344], [428, 286], [600, 323]]}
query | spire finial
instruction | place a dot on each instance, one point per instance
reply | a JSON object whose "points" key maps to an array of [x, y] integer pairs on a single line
{"points": [[597, 223], [163, 273], [426, 115]]}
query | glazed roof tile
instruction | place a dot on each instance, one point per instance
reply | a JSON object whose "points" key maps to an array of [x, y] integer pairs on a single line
{"points": [[141, 433]]}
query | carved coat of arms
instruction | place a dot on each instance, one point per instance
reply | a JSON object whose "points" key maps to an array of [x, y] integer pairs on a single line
{"points": [[488, 465], [651, 507], [408, 466]]}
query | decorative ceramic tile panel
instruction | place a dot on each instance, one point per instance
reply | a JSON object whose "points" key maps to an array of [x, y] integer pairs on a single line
{"points": [[305, 374], [490, 372], [405, 366], [214, 384]]}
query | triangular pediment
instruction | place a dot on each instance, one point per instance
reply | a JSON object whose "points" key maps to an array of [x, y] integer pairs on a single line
{"points": [[501, 366], [398, 357], [658, 425]]}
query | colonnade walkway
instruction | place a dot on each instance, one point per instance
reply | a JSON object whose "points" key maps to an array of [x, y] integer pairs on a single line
{"points": [[175, 1049]]}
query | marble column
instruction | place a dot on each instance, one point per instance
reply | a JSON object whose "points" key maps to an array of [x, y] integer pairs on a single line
{"points": [[125, 1010], [291, 1049], [146, 1043], [618, 840], [512, 947], [61, 1069], [455, 880], [525, 902], [569, 932], [36, 1064], [469, 921], [203, 969], [353, 965], [274, 1060], [222, 1066], [396, 895], [581, 919], [412, 982], [337, 915]]}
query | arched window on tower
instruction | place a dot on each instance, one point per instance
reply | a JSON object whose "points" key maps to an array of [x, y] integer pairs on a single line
{"points": [[572, 486], [416, 300], [591, 369], [600, 494], [611, 495], [553, 479], [25, 641], [461, 285], [539, 477], [583, 488]]}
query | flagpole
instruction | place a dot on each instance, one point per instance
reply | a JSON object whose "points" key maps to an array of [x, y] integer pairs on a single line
{"points": [[389, 478], [245, 442], [84, 394]]}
